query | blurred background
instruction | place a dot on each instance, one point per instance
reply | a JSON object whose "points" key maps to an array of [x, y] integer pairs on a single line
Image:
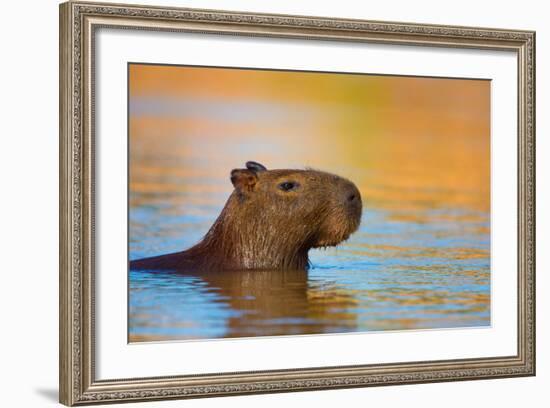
{"points": [[417, 148]]}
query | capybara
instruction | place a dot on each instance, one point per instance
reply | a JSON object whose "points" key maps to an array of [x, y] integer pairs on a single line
{"points": [[270, 221]]}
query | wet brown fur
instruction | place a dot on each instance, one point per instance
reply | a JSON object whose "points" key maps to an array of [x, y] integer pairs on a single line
{"points": [[264, 227]]}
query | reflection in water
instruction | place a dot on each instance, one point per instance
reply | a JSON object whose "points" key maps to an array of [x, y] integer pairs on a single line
{"points": [[392, 275], [240, 303], [417, 148]]}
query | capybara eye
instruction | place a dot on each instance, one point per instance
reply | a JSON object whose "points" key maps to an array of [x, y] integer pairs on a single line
{"points": [[288, 186]]}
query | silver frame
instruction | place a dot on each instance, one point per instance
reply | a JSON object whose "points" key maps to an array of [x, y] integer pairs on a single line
{"points": [[78, 24]]}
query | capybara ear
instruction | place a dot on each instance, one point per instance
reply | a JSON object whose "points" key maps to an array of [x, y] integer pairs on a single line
{"points": [[255, 166], [243, 180]]}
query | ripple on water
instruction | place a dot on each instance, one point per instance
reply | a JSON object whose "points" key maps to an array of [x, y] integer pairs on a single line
{"points": [[393, 274]]}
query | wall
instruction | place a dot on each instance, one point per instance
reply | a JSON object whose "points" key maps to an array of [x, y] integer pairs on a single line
{"points": [[28, 216]]}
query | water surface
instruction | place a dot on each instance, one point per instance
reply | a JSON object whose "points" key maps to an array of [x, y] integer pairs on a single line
{"points": [[392, 275], [417, 148]]}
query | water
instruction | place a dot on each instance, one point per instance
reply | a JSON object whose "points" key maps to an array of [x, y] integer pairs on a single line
{"points": [[417, 148], [391, 275]]}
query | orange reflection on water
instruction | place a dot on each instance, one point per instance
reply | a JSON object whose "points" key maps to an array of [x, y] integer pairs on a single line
{"points": [[408, 142]]}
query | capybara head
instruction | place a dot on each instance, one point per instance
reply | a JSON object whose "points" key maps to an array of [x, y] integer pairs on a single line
{"points": [[273, 217]]}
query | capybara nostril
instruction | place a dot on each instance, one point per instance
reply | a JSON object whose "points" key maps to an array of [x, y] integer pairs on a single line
{"points": [[351, 194]]}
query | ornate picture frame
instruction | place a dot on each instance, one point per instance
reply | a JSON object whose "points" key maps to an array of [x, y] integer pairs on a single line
{"points": [[79, 22]]}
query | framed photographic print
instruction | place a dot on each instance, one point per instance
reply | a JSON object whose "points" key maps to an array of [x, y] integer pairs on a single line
{"points": [[256, 203]]}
